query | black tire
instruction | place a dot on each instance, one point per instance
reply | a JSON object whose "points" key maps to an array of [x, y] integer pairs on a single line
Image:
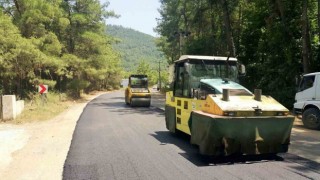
{"points": [[126, 99], [149, 104], [130, 102], [127, 102], [311, 118]]}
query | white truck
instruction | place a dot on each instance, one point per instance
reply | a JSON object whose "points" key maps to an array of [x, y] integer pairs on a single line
{"points": [[307, 100]]}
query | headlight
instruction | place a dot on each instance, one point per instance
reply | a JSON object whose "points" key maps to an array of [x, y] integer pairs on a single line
{"points": [[139, 90], [231, 113], [282, 113]]}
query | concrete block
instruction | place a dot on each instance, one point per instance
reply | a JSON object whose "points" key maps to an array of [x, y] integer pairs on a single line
{"points": [[9, 108], [20, 107]]}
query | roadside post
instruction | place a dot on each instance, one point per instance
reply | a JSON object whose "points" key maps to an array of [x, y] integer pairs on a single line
{"points": [[1, 107], [43, 90]]}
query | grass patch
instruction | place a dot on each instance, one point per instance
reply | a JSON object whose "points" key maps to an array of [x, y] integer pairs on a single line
{"points": [[43, 108], [38, 109]]}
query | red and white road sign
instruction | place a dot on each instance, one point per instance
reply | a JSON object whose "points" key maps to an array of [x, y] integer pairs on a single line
{"points": [[43, 88]]}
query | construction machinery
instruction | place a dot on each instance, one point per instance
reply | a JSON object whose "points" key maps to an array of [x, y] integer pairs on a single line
{"points": [[308, 100], [223, 117], [137, 93]]}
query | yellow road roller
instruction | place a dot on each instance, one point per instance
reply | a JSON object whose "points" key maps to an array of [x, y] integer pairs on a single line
{"points": [[221, 116], [137, 93]]}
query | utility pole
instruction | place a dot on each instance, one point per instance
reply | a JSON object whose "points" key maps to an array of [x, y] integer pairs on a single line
{"points": [[181, 35], [159, 77], [180, 44]]}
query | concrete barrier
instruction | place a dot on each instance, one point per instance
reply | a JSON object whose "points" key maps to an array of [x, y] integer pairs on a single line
{"points": [[20, 106], [0, 107], [11, 108]]}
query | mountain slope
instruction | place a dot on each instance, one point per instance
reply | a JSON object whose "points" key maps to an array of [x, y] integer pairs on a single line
{"points": [[135, 46]]}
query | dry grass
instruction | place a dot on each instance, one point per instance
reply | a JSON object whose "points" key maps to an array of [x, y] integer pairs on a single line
{"points": [[44, 109], [40, 109]]}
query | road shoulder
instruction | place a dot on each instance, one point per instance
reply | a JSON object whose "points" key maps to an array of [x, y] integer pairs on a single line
{"points": [[38, 150]]}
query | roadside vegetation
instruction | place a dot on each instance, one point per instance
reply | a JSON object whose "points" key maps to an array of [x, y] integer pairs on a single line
{"points": [[62, 44], [139, 54], [43, 108]]}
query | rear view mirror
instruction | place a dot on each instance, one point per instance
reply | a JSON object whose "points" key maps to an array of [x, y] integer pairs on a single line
{"points": [[194, 93], [242, 70], [169, 87], [186, 65]]}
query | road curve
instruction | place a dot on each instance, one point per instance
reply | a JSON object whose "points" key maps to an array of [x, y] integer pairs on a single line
{"points": [[114, 141]]}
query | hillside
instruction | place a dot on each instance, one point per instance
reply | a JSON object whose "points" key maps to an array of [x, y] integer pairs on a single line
{"points": [[135, 46]]}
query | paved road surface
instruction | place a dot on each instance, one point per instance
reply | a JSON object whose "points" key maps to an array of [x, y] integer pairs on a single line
{"points": [[113, 141]]}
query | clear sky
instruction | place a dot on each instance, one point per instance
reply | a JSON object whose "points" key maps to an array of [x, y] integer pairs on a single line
{"points": [[139, 15]]}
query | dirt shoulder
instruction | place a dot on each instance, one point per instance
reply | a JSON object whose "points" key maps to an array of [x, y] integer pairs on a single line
{"points": [[38, 150]]}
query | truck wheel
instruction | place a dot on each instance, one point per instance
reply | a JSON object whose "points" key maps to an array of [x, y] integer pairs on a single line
{"points": [[127, 101], [130, 102], [311, 118]]}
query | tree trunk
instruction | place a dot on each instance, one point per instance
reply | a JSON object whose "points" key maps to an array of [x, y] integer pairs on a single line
{"points": [[238, 35], [280, 7], [306, 50], [319, 18], [213, 28], [17, 6], [318, 58], [226, 19], [182, 35], [70, 31]]}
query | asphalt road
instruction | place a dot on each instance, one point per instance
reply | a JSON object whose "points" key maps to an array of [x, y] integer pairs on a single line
{"points": [[114, 141]]}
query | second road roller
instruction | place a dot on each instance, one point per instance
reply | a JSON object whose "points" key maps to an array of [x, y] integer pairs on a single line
{"points": [[137, 93]]}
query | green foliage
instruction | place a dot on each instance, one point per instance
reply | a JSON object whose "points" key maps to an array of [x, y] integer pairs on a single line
{"points": [[153, 74], [51, 84], [75, 86], [145, 69], [18, 58], [59, 43], [135, 46], [139, 53]]}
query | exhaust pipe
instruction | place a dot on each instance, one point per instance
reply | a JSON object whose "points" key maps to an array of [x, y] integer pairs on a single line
{"points": [[257, 94], [225, 94]]}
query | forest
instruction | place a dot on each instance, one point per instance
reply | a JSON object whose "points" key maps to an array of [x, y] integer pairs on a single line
{"points": [[134, 46], [139, 53], [60, 43], [277, 40]]}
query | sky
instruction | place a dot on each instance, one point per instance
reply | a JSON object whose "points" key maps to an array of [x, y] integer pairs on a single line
{"points": [[139, 15]]}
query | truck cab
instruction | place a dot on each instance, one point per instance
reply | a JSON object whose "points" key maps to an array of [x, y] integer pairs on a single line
{"points": [[190, 70], [307, 100]]}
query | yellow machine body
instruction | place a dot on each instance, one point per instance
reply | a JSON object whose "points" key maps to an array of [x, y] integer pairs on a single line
{"points": [[223, 117], [137, 93]]}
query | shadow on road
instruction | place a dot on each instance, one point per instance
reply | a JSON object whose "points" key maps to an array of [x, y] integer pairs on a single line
{"points": [[191, 152], [139, 110], [305, 164], [300, 126], [117, 104]]}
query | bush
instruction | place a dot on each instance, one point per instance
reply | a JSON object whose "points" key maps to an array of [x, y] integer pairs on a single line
{"points": [[76, 86]]}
